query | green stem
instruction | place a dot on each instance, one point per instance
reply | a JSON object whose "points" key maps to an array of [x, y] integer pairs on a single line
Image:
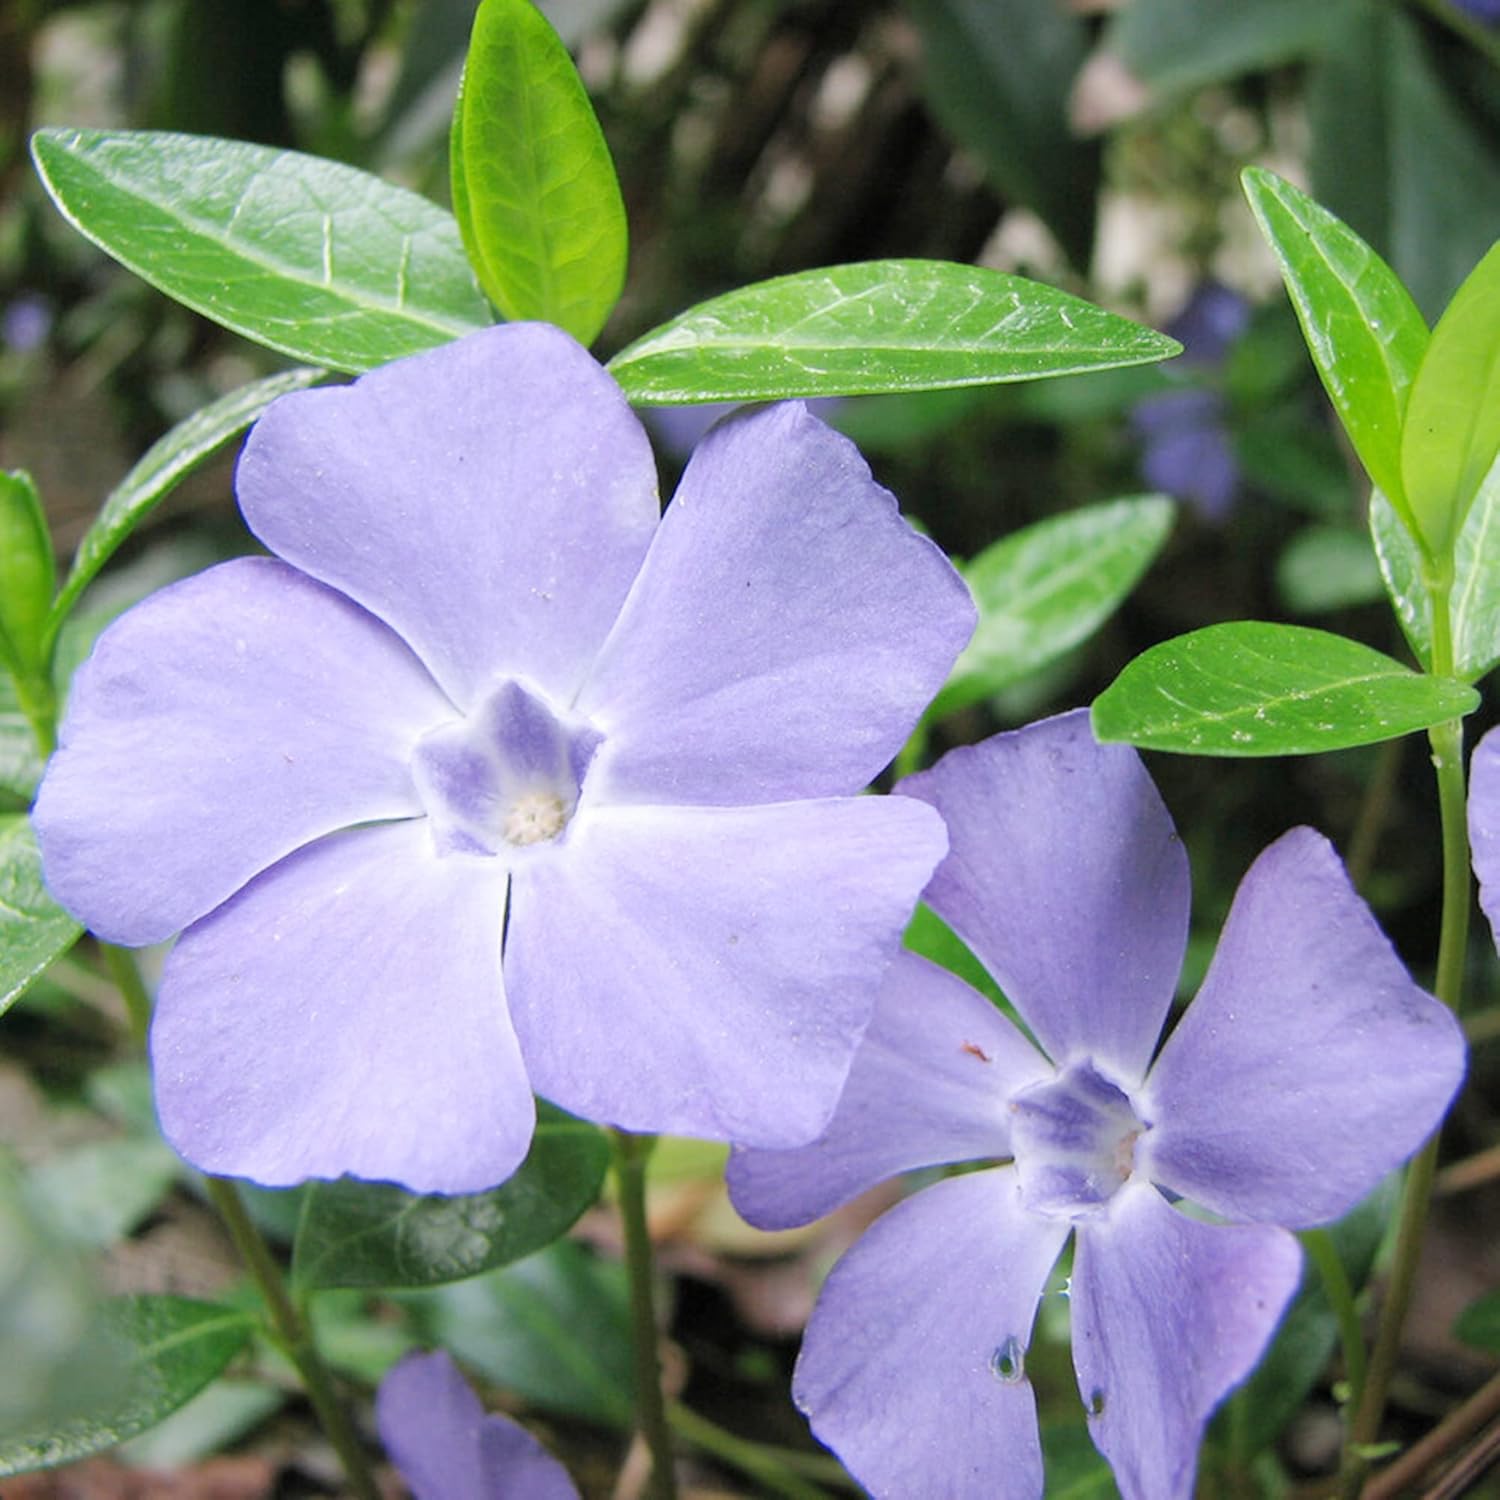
{"points": [[294, 1336], [1325, 1256], [774, 1468], [631, 1153], [126, 974]]}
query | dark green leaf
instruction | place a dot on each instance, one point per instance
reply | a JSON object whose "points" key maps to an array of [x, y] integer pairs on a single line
{"points": [[1452, 426], [220, 1414], [1075, 1468], [358, 1234], [1325, 568], [1044, 589], [27, 572], [877, 326], [34, 929], [1363, 330], [323, 262], [999, 78], [1249, 688], [534, 185], [1478, 1325], [171, 1348]]}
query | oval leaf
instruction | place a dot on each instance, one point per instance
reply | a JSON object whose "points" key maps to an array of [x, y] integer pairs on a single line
{"points": [[34, 929], [533, 179], [163, 466], [27, 572], [361, 1234], [1452, 426], [1044, 589], [319, 260], [1362, 328], [1249, 688], [875, 326], [170, 1348]]}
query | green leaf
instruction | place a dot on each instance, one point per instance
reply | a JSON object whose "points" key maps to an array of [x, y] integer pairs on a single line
{"points": [[20, 760], [357, 1234], [1326, 568], [34, 929], [1452, 429], [1363, 330], [28, 574], [161, 468], [1044, 589], [171, 1346], [534, 185], [319, 260], [930, 936], [877, 326], [1249, 688], [1478, 1325], [999, 78]]}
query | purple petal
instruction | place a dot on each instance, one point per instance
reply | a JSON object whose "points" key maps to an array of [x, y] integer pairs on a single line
{"points": [[1214, 319], [219, 725], [1310, 1064], [929, 1085], [709, 971], [345, 1013], [447, 1448], [1484, 824], [1068, 881], [785, 633], [1169, 1315], [490, 500], [912, 1368]]}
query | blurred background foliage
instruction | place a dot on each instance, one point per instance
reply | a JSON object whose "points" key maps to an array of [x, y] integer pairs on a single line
{"points": [[1095, 144]]}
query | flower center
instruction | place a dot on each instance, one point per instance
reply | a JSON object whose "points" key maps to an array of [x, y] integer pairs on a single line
{"points": [[1074, 1142], [506, 777]]}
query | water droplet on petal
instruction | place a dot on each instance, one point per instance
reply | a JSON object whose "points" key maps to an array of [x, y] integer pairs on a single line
{"points": [[1096, 1402], [1008, 1362]]}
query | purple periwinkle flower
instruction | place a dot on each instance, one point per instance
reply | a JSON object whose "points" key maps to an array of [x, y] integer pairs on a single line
{"points": [[483, 691], [1481, 10], [1307, 1068], [1484, 824], [447, 1448]]}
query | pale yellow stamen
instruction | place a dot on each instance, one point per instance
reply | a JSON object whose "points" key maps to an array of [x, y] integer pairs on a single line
{"points": [[535, 818]]}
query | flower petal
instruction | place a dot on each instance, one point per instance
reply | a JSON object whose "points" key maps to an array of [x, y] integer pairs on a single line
{"points": [[448, 1448], [344, 1013], [1310, 1064], [217, 726], [1484, 824], [929, 1086], [900, 1371], [709, 971], [1068, 881], [786, 631], [490, 500], [1169, 1315]]}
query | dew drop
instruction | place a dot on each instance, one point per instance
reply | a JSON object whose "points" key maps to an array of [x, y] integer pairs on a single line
{"points": [[1096, 1402], [1241, 736], [1008, 1362]]}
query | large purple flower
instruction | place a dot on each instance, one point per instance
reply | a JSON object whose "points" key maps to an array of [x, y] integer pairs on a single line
{"points": [[447, 1448], [1306, 1069], [485, 689]]}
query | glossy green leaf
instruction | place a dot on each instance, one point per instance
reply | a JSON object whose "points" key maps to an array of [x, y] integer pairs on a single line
{"points": [[930, 936], [877, 326], [319, 260], [160, 469], [358, 1234], [20, 760], [34, 929], [1250, 688], [1044, 589], [171, 1348], [1452, 429], [1325, 568], [534, 185], [28, 574], [1363, 330]]}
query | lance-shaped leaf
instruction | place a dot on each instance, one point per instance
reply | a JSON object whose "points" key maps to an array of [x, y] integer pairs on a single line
{"points": [[319, 260], [27, 572], [1452, 426], [34, 929], [160, 469], [533, 183], [1046, 588], [168, 1349], [877, 326], [1250, 688], [1362, 328], [361, 1234]]}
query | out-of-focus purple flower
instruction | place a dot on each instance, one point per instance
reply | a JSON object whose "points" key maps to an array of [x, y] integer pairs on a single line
{"points": [[1306, 1069], [1481, 10], [447, 1448], [485, 688], [1484, 824], [1186, 449], [25, 323]]}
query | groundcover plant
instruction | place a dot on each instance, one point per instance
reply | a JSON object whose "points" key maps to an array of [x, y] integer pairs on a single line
{"points": [[502, 820]]}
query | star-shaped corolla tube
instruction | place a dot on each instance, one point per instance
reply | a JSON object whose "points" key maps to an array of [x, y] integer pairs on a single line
{"points": [[1308, 1066], [448, 1448], [495, 779]]}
